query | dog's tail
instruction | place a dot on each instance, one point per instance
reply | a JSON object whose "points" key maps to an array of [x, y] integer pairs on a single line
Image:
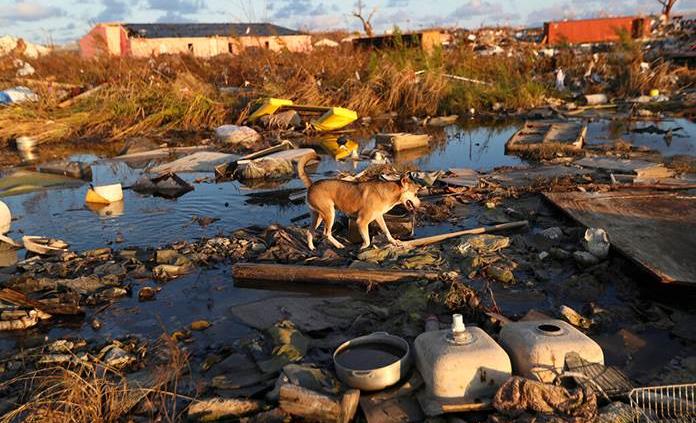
{"points": [[301, 169]]}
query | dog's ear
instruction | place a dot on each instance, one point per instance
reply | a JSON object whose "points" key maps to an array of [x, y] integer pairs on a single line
{"points": [[404, 180]]}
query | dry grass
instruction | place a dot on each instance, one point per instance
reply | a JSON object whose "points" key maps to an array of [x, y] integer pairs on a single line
{"points": [[178, 92], [91, 392], [160, 94]]}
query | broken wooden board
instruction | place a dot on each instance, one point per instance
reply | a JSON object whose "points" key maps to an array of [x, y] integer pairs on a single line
{"points": [[519, 178], [643, 170], [654, 228], [461, 178], [160, 153], [395, 404], [202, 161], [399, 141], [554, 135]]}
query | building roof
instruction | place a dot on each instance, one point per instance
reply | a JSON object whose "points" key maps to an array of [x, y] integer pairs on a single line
{"points": [[193, 30]]}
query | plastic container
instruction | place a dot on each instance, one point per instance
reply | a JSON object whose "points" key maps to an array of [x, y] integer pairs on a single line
{"points": [[538, 348], [462, 363], [335, 118], [5, 218], [104, 194], [372, 362]]}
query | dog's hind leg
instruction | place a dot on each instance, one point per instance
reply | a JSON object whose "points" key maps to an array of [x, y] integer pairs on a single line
{"points": [[316, 221], [329, 217]]}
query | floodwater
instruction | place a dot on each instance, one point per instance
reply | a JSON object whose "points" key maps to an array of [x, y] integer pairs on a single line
{"points": [[147, 221]]}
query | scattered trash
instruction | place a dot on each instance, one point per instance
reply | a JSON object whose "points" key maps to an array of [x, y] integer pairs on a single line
{"points": [[17, 95], [402, 141], [5, 218], [442, 121], [596, 242], [73, 169], [104, 194], [595, 99], [168, 185], [522, 399], [43, 246], [202, 161], [237, 135], [574, 318]]}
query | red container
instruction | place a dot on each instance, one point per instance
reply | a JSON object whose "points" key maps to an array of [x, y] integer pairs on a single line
{"points": [[598, 30]]}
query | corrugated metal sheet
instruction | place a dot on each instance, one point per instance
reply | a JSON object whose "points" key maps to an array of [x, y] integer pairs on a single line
{"points": [[193, 30], [595, 30]]}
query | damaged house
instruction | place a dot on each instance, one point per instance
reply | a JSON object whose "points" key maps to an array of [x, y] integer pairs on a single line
{"points": [[198, 39]]}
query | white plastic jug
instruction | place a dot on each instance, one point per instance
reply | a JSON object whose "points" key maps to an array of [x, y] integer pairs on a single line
{"points": [[538, 348], [463, 363]]}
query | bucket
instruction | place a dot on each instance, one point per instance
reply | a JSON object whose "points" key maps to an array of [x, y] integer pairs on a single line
{"points": [[104, 194], [372, 362]]}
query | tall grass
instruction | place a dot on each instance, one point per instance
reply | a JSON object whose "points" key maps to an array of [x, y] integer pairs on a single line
{"points": [[91, 391], [172, 92]]}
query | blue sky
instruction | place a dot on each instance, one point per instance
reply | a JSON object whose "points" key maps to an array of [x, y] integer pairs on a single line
{"points": [[66, 20]]}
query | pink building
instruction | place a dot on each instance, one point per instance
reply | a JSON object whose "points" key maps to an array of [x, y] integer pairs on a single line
{"points": [[202, 40]]}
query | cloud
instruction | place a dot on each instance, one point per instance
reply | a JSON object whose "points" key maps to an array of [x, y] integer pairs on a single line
{"points": [[477, 8], [114, 10], [398, 3], [28, 11], [172, 17], [177, 7], [284, 9]]}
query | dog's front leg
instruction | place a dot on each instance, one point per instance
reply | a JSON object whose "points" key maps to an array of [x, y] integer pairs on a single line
{"points": [[364, 229], [383, 226]]}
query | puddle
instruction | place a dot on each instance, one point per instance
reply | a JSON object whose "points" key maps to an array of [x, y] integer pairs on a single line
{"points": [[682, 142], [210, 294], [152, 221]]}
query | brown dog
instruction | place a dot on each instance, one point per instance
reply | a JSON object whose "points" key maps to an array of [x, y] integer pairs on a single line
{"points": [[367, 201]]}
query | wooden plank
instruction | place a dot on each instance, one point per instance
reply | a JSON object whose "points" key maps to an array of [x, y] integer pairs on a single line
{"points": [[653, 229], [421, 242], [400, 141], [641, 168], [468, 178], [566, 136], [287, 273]]}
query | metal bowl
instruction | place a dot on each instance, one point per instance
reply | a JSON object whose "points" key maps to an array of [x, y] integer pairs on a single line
{"points": [[381, 376]]}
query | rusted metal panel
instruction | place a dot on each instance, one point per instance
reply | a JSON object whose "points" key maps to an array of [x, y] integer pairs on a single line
{"points": [[595, 30]]}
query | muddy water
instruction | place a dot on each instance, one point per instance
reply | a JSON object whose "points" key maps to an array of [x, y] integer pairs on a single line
{"points": [[369, 356], [209, 294]]}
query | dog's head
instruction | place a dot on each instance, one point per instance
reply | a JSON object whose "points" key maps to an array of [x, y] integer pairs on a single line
{"points": [[409, 191]]}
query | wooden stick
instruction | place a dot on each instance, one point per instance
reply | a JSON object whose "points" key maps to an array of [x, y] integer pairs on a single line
{"points": [[482, 230], [324, 275], [464, 408], [88, 93]]}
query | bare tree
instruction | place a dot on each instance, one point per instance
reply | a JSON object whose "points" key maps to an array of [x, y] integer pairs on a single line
{"points": [[366, 22], [667, 6]]}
